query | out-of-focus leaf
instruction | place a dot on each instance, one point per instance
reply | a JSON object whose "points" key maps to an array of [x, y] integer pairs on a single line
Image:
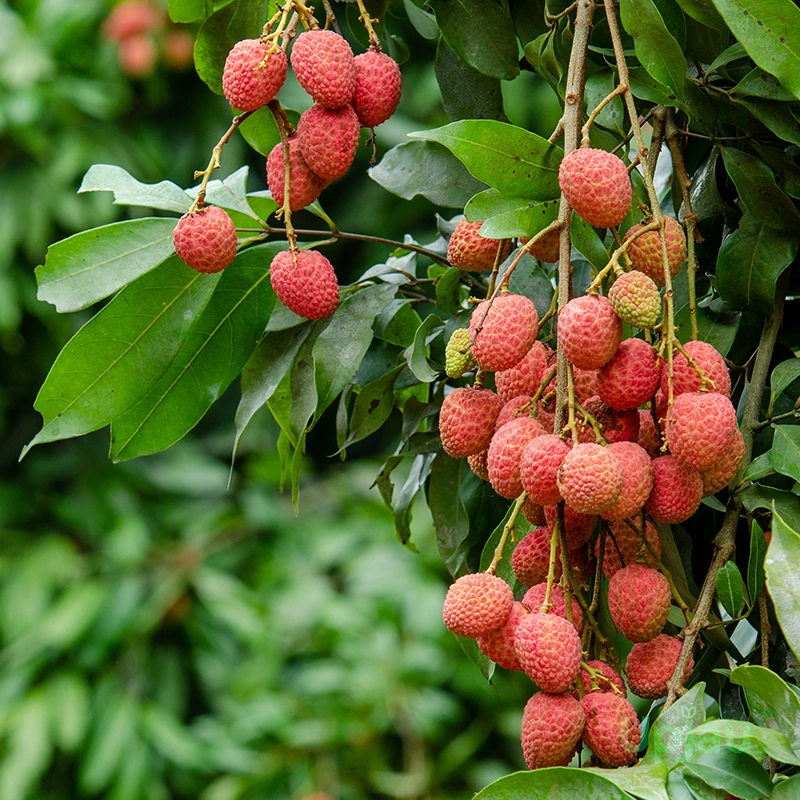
{"points": [[186, 10], [786, 790], [28, 750], [780, 567], [212, 46], [552, 783], [164, 195], [69, 707]]}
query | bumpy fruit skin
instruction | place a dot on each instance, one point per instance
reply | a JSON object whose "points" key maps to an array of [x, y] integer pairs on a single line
{"points": [[531, 557], [700, 428], [677, 491], [635, 299], [466, 421], [305, 186], [526, 375], [589, 331], [549, 651], [551, 728], [590, 478], [579, 527], [651, 664], [498, 644], [324, 66], [476, 603], [309, 287], [612, 728], [608, 681], [514, 408], [477, 463], [645, 250], [685, 377], [329, 139], [505, 451], [720, 474], [538, 468], [546, 248], [617, 425], [586, 383], [534, 598], [597, 185], [508, 330], [631, 377], [206, 240], [471, 252], [649, 437], [245, 87], [378, 87], [637, 480], [624, 547], [456, 362], [639, 599], [533, 512]]}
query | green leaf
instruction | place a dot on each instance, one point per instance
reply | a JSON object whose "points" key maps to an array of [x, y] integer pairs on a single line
{"points": [[758, 191], [165, 196], [505, 217], [414, 483], [716, 324], [373, 405], [448, 291], [756, 741], [612, 115], [782, 376], [780, 566], [771, 702], [724, 767], [506, 157], [119, 355], [249, 18], [484, 663], [552, 783], [757, 496], [760, 467], [656, 48], [186, 10], [230, 193], [785, 454], [259, 131], [466, 93], [218, 346], [427, 169], [730, 588], [703, 11], [28, 751], [416, 354], [758, 83], [787, 790], [504, 571], [481, 33], [69, 705], [768, 32], [340, 348], [114, 729], [755, 563], [670, 731], [423, 22], [749, 263], [212, 46], [775, 116], [588, 243], [89, 266]]}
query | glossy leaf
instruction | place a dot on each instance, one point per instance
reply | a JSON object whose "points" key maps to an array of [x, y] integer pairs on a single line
{"points": [[755, 563], [89, 266], [725, 767], [507, 158], [505, 217], [248, 21], [121, 352], [186, 10], [760, 467], [221, 341], [552, 783], [427, 169], [780, 566], [786, 790], [768, 32], [756, 741], [612, 115], [423, 22], [782, 376], [448, 291], [749, 263], [259, 131], [588, 243], [466, 93], [670, 732], [164, 195], [504, 571], [416, 355], [703, 11], [212, 46], [716, 325], [730, 589], [785, 453], [776, 117]]}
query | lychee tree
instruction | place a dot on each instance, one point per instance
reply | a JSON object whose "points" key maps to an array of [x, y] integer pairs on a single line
{"points": [[595, 371]]}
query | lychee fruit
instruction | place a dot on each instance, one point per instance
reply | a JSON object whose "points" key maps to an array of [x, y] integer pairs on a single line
{"points": [[505, 451], [378, 87], [531, 557], [305, 186], [649, 436], [616, 424], [525, 376], [685, 377], [534, 599], [597, 185], [246, 84], [516, 407], [578, 527], [631, 377], [533, 512], [138, 55], [324, 66], [503, 330], [457, 354], [585, 383], [590, 478], [476, 603], [466, 421], [307, 285], [551, 729], [635, 299], [677, 491], [624, 546], [498, 644], [471, 252], [539, 465], [612, 728], [645, 251], [700, 428], [637, 480], [721, 473], [546, 248], [607, 680], [206, 240], [549, 651], [329, 139], [589, 331], [477, 463], [651, 664], [130, 18], [638, 599]]}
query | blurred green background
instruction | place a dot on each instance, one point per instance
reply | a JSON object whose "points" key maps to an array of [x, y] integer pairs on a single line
{"points": [[163, 635]]}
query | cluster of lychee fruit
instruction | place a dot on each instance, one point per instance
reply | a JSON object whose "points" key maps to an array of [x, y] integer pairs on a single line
{"points": [[349, 92]]}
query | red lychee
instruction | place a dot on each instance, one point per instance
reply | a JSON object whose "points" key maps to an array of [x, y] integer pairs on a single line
{"points": [[607, 681], [612, 728], [649, 436], [378, 87], [637, 480], [329, 139], [132, 17], [245, 83], [635, 299], [477, 463], [533, 512], [498, 644], [685, 377], [677, 491], [639, 599], [307, 286], [720, 474], [590, 478], [324, 66], [471, 252], [206, 240], [504, 331], [539, 465], [546, 248], [551, 729], [516, 407], [505, 451], [305, 185], [476, 603], [466, 421], [534, 599], [589, 331], [631, 377], [138, 55], [700, 428], [616, 425], [531, 557], [586, 382], [579, 527], [624, 547], [651, 664], [549, 651], [646, 254], [597, 185], [525, 376]]}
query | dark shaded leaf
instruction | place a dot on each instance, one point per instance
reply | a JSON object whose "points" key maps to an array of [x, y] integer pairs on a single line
{"points": [[466, 93], [780, 566], [725, 767], [785, 453], [755, 563], [212, 46]]}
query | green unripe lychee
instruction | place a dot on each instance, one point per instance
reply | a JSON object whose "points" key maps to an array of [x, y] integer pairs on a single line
{"points": [[635, 299], [457, 354]]}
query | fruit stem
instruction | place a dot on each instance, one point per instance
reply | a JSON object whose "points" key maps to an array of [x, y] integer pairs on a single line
{"points": [[495, 268], [571, 426], [374, 41], [706, 384], [523, 250], [213, 164], [279, 115], [507, 529], [551, 570], [330, 16], [592, 420], [585, 141], [613, 262]]}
